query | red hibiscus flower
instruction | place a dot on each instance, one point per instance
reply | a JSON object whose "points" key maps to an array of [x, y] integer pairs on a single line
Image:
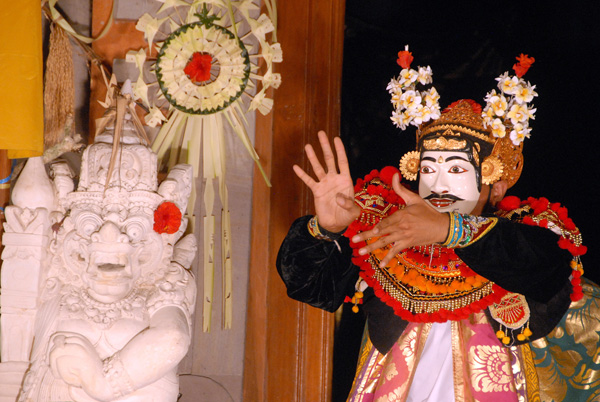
{"points": [[198, 68], [167, 218]]}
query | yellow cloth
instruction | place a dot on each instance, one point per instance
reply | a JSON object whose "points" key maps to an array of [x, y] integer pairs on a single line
{"points": [[21, 79]]}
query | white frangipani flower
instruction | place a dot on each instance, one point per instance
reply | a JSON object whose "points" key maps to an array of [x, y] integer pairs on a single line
{"points": [[498, 128], [525, 93], [396, 99], [412, 106], [435, 111], [401, 120], [408, 76], [518, 114], [417, 113], [409, 99], [426, 113], [498, 104], [431, 97], [425, 75], [394, 86], [519, 133], [509, 85]]}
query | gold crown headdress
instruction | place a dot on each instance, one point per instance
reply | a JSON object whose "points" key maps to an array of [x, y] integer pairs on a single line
{"points": [[495, 134]]}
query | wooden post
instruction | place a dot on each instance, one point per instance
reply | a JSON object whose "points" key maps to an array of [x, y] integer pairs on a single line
{"points": [[289, 345]]}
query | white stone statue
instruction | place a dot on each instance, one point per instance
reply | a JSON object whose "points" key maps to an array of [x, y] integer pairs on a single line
{"points": [[115, 299]]}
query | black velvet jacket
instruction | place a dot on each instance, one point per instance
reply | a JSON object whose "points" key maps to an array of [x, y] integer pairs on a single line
{"points": [[520, 258]]}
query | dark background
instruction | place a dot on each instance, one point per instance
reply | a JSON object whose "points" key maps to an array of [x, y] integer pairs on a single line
{"points": [[468, 46]]}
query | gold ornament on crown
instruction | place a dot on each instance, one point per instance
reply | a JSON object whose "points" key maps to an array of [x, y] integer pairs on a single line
{"points": [[443, 144]]}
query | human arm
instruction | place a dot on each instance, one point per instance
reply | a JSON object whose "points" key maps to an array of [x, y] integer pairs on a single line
{"points": [[520, 258], [333, 191], [317, 272], [417, 224]]}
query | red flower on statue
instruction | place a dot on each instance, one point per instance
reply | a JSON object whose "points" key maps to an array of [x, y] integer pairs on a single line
{"points": [[404, 58], [198, 68], [167, 218], [524, 62]]}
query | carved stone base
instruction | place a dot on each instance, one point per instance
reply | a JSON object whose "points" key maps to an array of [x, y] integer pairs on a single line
{"points": [[11, 378]]}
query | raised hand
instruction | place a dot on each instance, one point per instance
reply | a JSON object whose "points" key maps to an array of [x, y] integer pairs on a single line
{"points": [[418, 224], [333, 191]]}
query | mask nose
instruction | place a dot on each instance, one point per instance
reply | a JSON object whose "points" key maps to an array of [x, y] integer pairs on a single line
{"points": [[440, 184], [109, 233]]}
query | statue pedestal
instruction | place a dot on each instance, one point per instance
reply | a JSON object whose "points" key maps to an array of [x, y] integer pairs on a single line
{"points": [[11, 378]]}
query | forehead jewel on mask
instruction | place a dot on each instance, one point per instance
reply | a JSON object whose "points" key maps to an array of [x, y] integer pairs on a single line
{"points": [[493, 135]]}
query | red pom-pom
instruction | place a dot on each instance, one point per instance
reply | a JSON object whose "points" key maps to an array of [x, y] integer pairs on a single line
{"points": [[569, 225], [581, 250], [509, 203], [576, 297], [564, 243], [387, 173], [529, 221], [562, 213]]}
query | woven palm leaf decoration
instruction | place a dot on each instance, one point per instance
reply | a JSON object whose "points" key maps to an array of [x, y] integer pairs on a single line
{"points": [[206, 57]]}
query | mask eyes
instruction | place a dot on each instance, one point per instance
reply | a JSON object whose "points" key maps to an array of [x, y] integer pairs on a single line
{"points": [[427, 170], [87, 223], [136, 228], [456, 169]]}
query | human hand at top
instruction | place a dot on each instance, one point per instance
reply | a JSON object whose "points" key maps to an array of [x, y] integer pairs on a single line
{"points": [[418, 224], [333, 191]]}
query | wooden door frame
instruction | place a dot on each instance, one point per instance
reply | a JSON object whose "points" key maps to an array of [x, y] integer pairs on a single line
{"points": [[289, 345]]}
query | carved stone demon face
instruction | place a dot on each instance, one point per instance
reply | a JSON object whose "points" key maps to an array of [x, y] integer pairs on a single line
{"points": [[112, 250]]}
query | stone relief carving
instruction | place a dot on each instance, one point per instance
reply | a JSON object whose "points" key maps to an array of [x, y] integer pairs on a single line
{"points": [[114, 298]]}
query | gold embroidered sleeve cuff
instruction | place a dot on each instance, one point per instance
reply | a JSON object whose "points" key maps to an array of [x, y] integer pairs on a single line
{"points": [[466, 229], [318, 232]]}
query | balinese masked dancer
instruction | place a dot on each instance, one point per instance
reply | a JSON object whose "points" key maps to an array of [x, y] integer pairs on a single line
{"points": [[469, 295]]}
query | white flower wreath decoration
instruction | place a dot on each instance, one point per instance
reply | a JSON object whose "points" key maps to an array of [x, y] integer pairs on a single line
{"points": [[207, 78]]}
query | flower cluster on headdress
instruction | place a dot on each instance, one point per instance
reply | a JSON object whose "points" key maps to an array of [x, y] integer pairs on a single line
{"points": [[508, 112], [412, 106]]}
